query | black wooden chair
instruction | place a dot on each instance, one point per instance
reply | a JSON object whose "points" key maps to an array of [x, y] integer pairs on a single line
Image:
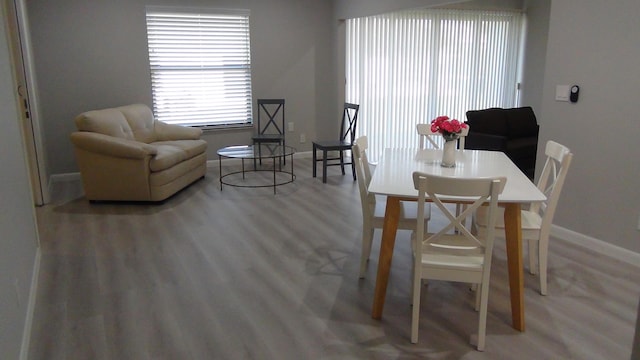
{"points": [[344, 143], [271, 123]]}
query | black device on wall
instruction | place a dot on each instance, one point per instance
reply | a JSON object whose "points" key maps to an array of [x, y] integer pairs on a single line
{"points": [[573, 94]]}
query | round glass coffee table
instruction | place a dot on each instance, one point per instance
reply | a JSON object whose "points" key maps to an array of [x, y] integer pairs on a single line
{"points": [[261, 152]]}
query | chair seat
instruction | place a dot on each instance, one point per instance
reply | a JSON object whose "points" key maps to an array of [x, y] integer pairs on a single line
{"points": [[448, 255], [530, 221], [324, 146], [452, 262], [332, 144]]}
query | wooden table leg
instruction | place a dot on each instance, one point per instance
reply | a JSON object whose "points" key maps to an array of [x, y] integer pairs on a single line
{"points": [[391, 216], [513, 235]]}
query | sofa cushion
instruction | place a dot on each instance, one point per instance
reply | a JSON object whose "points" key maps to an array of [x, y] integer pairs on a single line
{"points": [[170, 175], [110, 122], [522, 122], [190, 147], [522, 147], [171, 153], [489, 121]]}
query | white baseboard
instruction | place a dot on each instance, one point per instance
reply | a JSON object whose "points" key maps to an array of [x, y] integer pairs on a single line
{"points": [[65, 177], [62, 178], [597, 245], [31, 305]]}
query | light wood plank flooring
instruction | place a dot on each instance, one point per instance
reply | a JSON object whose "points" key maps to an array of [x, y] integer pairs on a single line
{"points": [[246, 274]]}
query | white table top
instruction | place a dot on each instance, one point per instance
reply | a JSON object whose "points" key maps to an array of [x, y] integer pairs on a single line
{"points": [[393, 175]]}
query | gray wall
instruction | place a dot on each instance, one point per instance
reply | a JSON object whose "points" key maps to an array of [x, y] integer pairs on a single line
{"points": [[91, 55], [18, 242], [348, 9], [596, 44], [537, 14], [635, 352]]}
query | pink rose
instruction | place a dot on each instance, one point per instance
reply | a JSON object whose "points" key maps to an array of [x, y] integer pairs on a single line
{"points": [[443, 124]]}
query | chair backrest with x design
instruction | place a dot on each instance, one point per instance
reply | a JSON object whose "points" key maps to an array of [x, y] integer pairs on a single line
{"points": [[436, 141], [349, 123], [433, 187], [551, 182], [271, 119], [363, 172]]}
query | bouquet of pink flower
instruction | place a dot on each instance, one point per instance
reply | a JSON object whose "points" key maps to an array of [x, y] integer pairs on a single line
{"points": [[449, 128]]}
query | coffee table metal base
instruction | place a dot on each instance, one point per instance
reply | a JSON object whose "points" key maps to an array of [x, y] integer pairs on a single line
{"points": [[277, 157]]}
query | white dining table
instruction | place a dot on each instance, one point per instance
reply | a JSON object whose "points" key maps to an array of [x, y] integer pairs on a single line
{"points": [[393, 178]]}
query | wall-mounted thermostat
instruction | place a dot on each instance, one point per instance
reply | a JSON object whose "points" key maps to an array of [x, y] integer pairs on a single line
{"points": [[573, 95]]}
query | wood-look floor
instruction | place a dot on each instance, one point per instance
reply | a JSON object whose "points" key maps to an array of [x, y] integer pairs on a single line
{"points": [[246, 274]]}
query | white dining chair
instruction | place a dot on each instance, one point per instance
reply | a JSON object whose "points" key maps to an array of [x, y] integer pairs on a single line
{"points": [[457, 256], [437, 142], [537, 218], [373, 207]]}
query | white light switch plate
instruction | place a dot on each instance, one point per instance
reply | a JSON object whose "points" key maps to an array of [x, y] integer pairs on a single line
{"points": [[562, 92]]}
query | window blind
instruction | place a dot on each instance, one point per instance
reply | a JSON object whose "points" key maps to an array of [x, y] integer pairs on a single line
{"points": [[200, 66], [409, 67]]}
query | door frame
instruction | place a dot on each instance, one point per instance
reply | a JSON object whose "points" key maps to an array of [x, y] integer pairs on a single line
{"points": [[26, 88]]}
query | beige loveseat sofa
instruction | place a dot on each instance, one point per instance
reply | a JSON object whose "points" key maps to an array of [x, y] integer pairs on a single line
{"points": [[124, 154]]}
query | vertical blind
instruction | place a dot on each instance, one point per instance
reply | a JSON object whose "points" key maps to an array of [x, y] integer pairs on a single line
{"points": [[409, 67], [200, 65]]}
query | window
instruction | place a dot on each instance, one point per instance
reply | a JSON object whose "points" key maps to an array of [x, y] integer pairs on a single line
{"points": [[200, 66], [409, 67]]}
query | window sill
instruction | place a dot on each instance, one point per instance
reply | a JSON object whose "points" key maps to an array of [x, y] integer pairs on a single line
{"points": [[217, 128]]}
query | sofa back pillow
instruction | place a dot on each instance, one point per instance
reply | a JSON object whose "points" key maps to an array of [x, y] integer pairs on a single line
{"points": [[140, 119], [522, 122], [106, 121], [488, 121]]}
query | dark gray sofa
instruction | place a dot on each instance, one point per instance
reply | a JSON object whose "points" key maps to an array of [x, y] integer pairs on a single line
{"points": [[513, 131]]}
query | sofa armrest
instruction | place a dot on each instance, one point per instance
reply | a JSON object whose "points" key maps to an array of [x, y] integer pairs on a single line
{"points": [[168, 132], [483, 141], [112, 146]]}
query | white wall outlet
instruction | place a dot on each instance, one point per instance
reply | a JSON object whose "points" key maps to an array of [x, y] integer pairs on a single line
{"points": [[303, 139], [290, 126]]}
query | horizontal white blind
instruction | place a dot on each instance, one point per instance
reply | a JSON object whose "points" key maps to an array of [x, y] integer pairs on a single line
{"points": [[200, 66], [410, 67]]}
